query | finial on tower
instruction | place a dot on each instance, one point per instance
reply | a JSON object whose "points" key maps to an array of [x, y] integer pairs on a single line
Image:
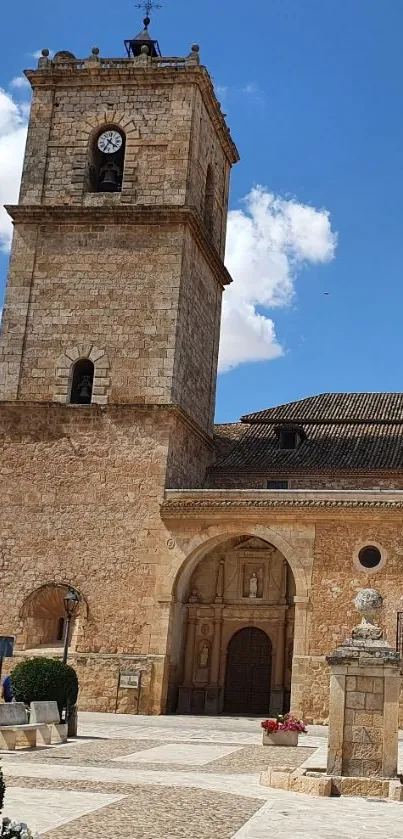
{"points": [[147, 7], [134, 45]]}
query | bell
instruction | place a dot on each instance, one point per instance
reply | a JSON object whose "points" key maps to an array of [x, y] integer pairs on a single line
{"points": [[109, 178], [84, 390]]}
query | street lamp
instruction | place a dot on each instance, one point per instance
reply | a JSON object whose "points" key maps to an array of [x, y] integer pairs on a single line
{"points": [[71, 604]]}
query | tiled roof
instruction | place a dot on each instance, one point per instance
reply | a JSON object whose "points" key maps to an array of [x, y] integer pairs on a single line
{"points": [[344, 431], [332, 407]]}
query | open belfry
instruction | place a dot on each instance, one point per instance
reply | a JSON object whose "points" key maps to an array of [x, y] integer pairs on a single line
{"points": [[215, 566]]}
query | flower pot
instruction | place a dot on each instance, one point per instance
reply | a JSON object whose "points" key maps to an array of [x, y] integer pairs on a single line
{"points": [[280, 738]]}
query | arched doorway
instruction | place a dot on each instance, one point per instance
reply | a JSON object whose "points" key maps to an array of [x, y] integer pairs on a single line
{"points": [[248, 672], [244, 582]]}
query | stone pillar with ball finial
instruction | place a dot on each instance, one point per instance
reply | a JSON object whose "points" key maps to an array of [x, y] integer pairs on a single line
{"points": [[364, 699]]}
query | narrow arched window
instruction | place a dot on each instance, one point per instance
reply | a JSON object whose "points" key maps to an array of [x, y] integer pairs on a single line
{"points": [[106, 160], [82, 382], [208, 212]]}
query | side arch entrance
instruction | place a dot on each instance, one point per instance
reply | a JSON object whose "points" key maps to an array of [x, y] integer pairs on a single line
{"points": [[232, 631], [248, 672]]}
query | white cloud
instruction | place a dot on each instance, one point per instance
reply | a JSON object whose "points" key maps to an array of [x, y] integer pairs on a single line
{"points": [[251, 89], [13, 131], [268, 242], [20, 82]]}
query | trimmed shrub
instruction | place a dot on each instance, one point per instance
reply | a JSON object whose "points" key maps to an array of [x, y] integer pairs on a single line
{"points": [[44, 679]]}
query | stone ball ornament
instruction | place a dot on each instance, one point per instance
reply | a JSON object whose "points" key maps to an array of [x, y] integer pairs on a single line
{"points": [[368, 603]]}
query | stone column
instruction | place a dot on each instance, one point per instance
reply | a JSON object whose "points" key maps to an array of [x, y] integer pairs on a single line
{"points": [[302, 605], [215, 652], [185, 697], [277, 692], [189, 654], [220, 582], [364, 700], [214, 691]]}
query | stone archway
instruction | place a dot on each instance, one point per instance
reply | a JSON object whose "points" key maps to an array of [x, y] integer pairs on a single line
{"points": [[43, 618], [242, 581]]}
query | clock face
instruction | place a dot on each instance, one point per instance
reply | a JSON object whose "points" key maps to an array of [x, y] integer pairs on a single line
{"points": [[110, 142]]}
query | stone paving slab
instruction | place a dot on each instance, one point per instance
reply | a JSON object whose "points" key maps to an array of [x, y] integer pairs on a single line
{"points": [[218, 799], [241, 784], [296, 816], [234, 759], [61, 806], [180, 753], [155, 813]]}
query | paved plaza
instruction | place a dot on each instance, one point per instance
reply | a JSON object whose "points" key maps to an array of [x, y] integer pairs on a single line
{"points": [[169, 777]]}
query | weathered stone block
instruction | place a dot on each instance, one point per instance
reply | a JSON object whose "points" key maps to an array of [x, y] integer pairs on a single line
{"points": [[355, 700], [374, 701]]}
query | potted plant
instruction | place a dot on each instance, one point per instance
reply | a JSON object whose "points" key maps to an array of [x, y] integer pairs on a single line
{"points": [[282, 731], [11, 829]]}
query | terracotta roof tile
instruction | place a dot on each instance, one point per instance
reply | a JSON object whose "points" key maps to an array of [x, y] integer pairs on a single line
{"points": [[357, 431], [331, 407]]}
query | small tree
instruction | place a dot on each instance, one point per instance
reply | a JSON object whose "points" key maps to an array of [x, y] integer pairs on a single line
{"points": [[44, 679]]}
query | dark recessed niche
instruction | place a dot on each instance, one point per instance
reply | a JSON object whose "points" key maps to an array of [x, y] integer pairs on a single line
{"points": [[369, 557]]}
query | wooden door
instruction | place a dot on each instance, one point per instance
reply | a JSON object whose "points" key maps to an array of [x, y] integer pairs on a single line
{"points": [[247, 679]]}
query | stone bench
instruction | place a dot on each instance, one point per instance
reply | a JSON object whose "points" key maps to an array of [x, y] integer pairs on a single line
{"points": [[46, 714], [14, 728]]}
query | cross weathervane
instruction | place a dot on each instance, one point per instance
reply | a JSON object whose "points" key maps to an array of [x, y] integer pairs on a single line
{"points": [[148, 6]]}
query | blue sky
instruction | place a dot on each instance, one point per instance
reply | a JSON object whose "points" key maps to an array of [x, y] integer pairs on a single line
{"points": [[313, 91]]}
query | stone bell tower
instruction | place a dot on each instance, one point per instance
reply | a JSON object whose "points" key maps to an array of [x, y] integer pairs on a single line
{"points": [[119, 233], [108, 351]]}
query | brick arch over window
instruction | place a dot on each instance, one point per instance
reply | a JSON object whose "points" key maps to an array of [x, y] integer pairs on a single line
{"points": [[105, 170], [43, 616], [92, 129], [65, 367]]}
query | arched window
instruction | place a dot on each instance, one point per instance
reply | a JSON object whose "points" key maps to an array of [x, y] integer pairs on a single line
{"points": [[82, 382], [107, 156], [208, 212]]}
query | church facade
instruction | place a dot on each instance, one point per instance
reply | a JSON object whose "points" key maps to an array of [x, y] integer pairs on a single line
{"points": [[215, 565]]}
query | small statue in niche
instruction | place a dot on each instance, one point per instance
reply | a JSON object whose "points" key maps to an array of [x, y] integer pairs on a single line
{"points": [[195, 596], [203, 656], [253, 581]]}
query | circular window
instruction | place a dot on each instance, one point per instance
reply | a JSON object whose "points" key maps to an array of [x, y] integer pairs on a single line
{"points": [[369, 557]]}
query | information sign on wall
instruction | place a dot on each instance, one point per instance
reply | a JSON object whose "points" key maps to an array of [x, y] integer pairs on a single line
{"points": [[129, 679]]}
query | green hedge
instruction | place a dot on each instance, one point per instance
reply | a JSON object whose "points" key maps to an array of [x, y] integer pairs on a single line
{"points": [[43, 679]]}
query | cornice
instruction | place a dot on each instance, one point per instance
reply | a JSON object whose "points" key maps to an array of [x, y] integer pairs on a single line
{"points": [[180, 503], [125, 214], [185, 506]]}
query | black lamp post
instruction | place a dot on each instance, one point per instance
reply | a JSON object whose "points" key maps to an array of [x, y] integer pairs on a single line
{"points": [[71, 604]]}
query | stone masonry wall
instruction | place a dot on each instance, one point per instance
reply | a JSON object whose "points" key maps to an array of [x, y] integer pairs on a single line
{"points": [[98, 677], [156, 120], [81, 488], [336, 579], [170, 141], [332, 480], [154, 312], [197, 339]]}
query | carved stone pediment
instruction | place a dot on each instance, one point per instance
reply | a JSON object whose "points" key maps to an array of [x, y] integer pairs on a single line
{"points": [[254, 545]]}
